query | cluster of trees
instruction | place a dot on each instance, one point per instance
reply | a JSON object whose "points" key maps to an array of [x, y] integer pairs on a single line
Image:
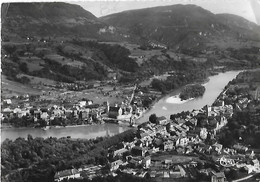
{"points": [[248, 54], [192, 91], [178, 80], [243, 127], [115, 54], [37, 159], [153, 118]]}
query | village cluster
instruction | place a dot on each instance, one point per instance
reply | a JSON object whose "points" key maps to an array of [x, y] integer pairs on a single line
{"points": [[84, 111], [178, 148]]}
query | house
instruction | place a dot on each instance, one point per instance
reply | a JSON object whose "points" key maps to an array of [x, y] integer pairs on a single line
{"points": [[180, 121], [191, 122], [37, 114], [90, 102], [193, 137], [7, 112], [45, 116], [249, 168], [256, 163], [135, 161], [182, 141], [138, 151], [84, 114], [177, 172], [217, 177], [161, 120], [168, 145], [160, 129], [90, 171], [82, 103], [146, 162], [158, 142], [240, 148], [22, 113], [57, 112], [69, 174], [115, 165], [170, 127], [114, 112], [7, 101], [17, 110], [203, 133], [222, 121], [217, 147], [119, 152]]}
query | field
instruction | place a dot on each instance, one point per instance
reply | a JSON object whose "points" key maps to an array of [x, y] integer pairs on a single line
{"points": [[10, 88]]}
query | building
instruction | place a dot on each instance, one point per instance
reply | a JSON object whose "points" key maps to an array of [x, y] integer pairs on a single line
{"points": [[120, 152], [146, 162], [69, 174], [217, 147], [161, 120], [45, 116], [138, 151], [114, 112], [168, 145], [7, 101], [217, 177], [182, 141], [115, 165]]}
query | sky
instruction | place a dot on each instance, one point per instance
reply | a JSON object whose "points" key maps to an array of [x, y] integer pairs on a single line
{"points": [[249, 9]]}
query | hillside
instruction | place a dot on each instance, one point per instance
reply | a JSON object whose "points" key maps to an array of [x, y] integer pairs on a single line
{"points": [[62, 42], [44, 40], [186, 26], [53, 19]]}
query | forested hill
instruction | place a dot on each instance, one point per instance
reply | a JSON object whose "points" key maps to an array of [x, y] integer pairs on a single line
{"points": [[51, 19], [184, 26]]}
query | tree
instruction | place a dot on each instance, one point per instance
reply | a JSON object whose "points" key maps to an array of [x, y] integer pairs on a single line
{"points": [[23, 67], [10, 49], [153, 118]]}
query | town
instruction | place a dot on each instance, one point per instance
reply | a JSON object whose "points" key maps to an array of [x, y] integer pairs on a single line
{"points": [[82, 112], [186, 146]]}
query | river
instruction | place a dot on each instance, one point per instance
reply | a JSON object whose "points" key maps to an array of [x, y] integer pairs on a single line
{"points": [[164, 107], [167, 106]]}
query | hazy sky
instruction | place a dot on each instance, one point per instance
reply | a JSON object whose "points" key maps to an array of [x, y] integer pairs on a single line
{"points": [[245, 8]]}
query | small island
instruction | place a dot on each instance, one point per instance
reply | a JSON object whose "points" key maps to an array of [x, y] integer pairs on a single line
{"points": [[192, 91]]}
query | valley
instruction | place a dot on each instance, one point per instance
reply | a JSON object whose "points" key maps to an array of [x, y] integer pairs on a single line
{"points": [[80, 94]]}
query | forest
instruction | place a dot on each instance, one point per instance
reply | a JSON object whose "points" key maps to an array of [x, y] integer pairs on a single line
{"points": [[37, 159], [192, 91]]}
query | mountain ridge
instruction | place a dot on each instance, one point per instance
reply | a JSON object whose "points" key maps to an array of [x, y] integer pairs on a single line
{"points": [[172, 25]]}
